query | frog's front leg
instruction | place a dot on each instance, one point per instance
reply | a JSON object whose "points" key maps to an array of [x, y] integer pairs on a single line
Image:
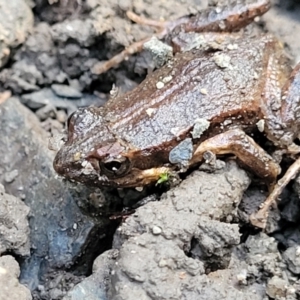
{"points": [[235, 141]]}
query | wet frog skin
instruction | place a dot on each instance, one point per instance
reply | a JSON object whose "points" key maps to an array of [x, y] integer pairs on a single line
{"points": [[244, 83]]}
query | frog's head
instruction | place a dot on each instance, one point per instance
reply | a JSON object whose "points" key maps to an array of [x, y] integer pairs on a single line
{"points": [[93, 155]]}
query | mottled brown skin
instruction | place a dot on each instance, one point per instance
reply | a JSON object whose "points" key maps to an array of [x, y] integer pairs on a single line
{"points": [[127, 142]]}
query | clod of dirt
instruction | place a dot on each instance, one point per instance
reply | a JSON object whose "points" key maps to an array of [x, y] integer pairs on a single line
{"points": [[95, 287], [265, 269], [292, 258], [16, 21], [277, 288], [66, 91], [14, 227], [83, 31], [160, 51], [280, 13], [167, 246], [9, 284]]}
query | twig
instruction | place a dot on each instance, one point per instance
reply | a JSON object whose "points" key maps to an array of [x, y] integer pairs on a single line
{"points": [[136, 47], [102, 67], [4, 96], [259, 219], [144, 21]]}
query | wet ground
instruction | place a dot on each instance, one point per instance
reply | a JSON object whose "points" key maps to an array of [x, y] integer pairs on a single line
{"points": [[194, 243]]}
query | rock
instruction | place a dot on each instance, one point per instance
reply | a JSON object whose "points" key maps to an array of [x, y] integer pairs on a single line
{"points": [[45, 112], [14, 227], [265, 265], [46, 96], [60, 231], [9, 285], [95, 287], [182, 153], [250, 202], [277, 288], [61, 116], [36, 63], [262, 256], [10, 176], [291, 209], [83, 31], [296, 185], [160, 51], [286, 12], [16, 21], [214, 242], [66, 91], [39, 42], [292, 259]]}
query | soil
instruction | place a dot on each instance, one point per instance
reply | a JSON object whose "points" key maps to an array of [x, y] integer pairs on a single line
{"points": [[191, 241]]}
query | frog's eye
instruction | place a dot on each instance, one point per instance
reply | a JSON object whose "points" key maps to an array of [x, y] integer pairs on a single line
{"points": [[115, 167]]}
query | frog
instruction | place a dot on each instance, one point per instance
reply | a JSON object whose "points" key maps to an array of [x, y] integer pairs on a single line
{"points": [[207, 99]]}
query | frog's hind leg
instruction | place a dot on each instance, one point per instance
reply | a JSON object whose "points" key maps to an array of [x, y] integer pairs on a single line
{"points": [[235, 141]]}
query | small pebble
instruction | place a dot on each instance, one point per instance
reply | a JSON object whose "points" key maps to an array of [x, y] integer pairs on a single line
{"points": [[156, 230], [11, 176], [167, 79], [200, 126], [61, 116], [160, 51], [48, 111], [203, 91], [182, 153], [222, 60], [160, 85], [150, 111], [261, 125], [232, 47]]}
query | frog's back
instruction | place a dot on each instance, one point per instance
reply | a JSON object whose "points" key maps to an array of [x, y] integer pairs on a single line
{"points": [[222, 87]]}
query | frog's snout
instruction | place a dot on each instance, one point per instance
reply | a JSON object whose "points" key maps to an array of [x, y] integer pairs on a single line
{"points": [[57, 165], [60, 163]]}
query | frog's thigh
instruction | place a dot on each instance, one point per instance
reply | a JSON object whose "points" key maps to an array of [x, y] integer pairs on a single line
{"points": [[235, 141]]}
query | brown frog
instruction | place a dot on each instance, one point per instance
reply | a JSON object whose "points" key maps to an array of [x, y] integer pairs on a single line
{"points": [[203, 100]]}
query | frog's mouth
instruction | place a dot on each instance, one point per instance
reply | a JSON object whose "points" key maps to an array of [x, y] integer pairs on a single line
{"points": [[137, 178]]}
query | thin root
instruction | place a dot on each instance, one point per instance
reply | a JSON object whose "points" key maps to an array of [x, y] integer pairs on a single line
{"points": [[103, 67], [4, 96], [163, 28], [259, 219], [144, 21]]}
